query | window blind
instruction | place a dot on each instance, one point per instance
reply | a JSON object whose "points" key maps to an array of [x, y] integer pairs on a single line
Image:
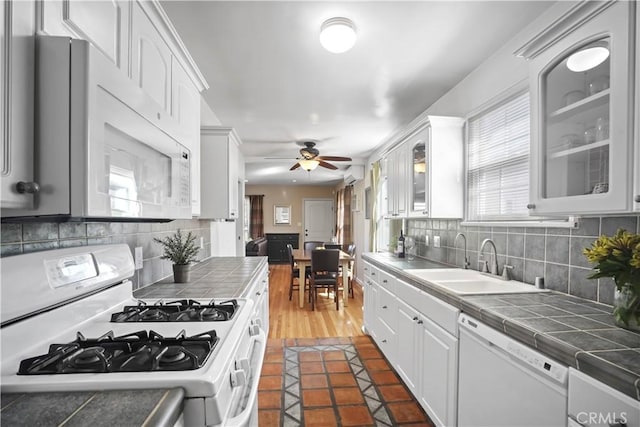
{"points": [[498, 162]]}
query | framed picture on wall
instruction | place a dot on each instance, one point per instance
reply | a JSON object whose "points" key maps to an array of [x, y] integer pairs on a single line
{"points": [[367, 203], [281, 215]]}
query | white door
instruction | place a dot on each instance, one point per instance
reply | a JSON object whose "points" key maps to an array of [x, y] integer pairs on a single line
{"points": [[318, 220]]}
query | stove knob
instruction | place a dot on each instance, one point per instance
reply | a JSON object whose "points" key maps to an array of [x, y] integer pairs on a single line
{"points": [[257, 322], [238, 378], [254, 330], [244, 364]]}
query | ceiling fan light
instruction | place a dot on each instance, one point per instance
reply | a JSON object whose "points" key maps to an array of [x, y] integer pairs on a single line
{"points": [[589, 57], [308, 165], [338, 35]]}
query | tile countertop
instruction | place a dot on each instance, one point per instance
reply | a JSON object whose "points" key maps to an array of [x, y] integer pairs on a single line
{"points": [[98, 409], [575, 331], [218, 277]]}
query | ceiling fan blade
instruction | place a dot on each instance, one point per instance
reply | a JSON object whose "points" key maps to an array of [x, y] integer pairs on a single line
{"points": [[335, 158], [294, 167], [327, 165], [280, 158]]}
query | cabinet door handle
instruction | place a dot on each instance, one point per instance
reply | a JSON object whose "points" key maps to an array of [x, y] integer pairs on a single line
{"points": [[637, 198], [531, 206], [27, 187], [258, 293], [384, 306], [420, 322], [384, 280], [384, 340], [415, 318]]}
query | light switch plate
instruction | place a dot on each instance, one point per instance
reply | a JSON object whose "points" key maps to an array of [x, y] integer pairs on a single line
{"points": [[436, 241], [138, 257]]}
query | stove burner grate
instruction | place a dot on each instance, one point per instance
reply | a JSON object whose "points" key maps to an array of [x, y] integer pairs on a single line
{"points": [[136, 352], [185, 310]]}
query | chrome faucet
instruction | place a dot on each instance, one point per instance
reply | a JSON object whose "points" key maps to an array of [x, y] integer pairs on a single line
{"points": [[464, 238], [494, 264]]}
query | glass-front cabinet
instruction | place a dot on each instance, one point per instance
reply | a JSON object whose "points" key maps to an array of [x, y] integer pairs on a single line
{"points": [[418, 180], [581, 126]]}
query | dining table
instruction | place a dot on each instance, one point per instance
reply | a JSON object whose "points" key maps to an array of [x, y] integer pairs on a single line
{"points": [[303, 259]]}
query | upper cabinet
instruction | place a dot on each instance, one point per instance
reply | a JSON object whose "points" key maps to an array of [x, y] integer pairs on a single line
{"points": [[17, 66], [221, 171], [581, 72], [395, 171]]}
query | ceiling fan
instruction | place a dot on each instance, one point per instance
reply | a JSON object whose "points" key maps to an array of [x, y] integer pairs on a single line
{"points": [[311, 158]]}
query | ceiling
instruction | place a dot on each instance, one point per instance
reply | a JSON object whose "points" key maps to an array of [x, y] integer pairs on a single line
{"points": [[273, 82]]}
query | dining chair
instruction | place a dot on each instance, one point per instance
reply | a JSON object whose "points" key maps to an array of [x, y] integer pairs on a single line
{"points": [[295, 273], [324, 273], [312, 244], [351, 250], [333, 246]]}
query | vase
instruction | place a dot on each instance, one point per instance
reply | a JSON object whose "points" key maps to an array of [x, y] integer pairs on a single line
{"points": [[181, 273], [626, 308]]}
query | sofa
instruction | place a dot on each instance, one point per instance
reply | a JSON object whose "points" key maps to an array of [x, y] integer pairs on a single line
{"points": [[256, 247]]}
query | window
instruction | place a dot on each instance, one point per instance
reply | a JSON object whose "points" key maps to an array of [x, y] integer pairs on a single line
{"points": [[498, 162]]}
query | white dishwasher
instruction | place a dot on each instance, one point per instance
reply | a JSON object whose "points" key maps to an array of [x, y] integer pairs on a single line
{"points": [[502, 382]]}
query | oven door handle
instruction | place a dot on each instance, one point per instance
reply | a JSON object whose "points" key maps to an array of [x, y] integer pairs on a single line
{"points": [[242, 419]]}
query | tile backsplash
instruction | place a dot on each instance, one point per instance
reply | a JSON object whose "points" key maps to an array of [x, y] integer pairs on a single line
{"points": [[552, 253], [30, 237]]}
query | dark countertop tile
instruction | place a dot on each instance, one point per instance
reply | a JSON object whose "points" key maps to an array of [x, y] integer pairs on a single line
{"points": [[575, 331], [97, 409]]}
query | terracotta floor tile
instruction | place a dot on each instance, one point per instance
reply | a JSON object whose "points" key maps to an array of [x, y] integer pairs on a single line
{"points": [[274, 357], [348, 396], [290, 342], [270, 400], [342, 380], [313, 381], [355, 416], [274, 343], [319, 417], [328, 341], [270, 383], [269, 418], [333, 355], [369, 353], [311, 368], [384, 377], [272, 369], [306, 341], [407, 412], [316, 397], [310, 356], [337, 366], [376, 365], [394, 393], [364, 339]]}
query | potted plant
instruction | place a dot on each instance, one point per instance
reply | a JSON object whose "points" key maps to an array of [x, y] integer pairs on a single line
{"points": [[618, 257], [181, 251]]}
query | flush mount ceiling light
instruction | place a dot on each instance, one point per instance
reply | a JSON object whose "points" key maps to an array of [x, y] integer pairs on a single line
{"points": [[338, 35], [309, 165], [589, 57]]}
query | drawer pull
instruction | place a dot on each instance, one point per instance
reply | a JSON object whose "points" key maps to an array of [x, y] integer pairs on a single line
{"points": [[415, 318], [384, 340], [384, 281], [420, 322], [384, 306]]}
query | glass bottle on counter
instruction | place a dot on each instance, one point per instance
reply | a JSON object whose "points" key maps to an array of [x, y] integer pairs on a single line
{"points": [[401, 245]]}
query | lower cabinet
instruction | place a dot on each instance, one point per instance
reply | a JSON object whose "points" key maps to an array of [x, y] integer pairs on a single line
{"points": [[439, 374], [259, 294], [369, 312], [409, 360]]}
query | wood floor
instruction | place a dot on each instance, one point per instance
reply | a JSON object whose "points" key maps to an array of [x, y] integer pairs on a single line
{"points": [[287, 320]]}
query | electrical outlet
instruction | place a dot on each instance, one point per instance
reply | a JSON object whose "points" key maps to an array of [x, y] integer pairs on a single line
{"points": [[138, 257], [201, 242], [426, 240], [436, 241]]}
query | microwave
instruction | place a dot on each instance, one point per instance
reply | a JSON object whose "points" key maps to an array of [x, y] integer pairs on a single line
{"points": [[96, 156]]}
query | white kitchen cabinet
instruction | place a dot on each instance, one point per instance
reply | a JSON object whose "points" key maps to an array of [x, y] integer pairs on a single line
{"points": [[439, 373], [368, 311], [185, 108], [437, 181], [396, 165], [636, 192], [409, 360], [17, 66], [220, 163], [103, 23], [581, 151], [150, 59], [259, 294]]}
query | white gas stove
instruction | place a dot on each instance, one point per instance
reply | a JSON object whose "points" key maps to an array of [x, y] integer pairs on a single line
{"points": [[69, 322]]}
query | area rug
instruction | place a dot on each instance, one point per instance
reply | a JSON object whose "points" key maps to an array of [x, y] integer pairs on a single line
{"points": [[333, 382]]}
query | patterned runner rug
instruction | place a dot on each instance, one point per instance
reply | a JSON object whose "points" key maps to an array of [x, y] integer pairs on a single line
{"points": [[333, 382]]}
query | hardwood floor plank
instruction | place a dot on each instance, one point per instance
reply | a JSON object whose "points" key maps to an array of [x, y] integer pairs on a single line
{"points": [[287, 320]]}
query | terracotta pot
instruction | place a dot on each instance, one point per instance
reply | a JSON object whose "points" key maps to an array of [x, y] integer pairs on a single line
{"points": [[181, 273]]}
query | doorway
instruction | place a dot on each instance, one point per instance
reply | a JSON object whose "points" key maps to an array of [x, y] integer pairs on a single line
{"points": [[318, 220]]}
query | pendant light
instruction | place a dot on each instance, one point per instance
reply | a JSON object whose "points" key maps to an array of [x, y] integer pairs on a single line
{"points": [[338, 35]]}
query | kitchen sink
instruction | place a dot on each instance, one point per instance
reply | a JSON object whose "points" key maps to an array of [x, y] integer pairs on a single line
{"points": [[471, 282]]}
